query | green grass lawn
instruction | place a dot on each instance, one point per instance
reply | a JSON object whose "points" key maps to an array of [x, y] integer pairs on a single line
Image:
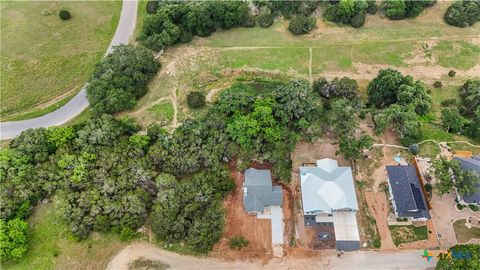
{"points": [[457, 54], [406, 234], [464, 234], [162, 112], [44, 57], [52, 247]]}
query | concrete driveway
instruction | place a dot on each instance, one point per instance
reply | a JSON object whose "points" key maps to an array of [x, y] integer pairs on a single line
{"points": [[77, 104], [444, 214]]}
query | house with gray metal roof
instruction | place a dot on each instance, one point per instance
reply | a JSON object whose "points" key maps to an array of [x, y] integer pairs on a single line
{"points": [[264, 200], [470, 164], [329, 197], [406, 194], [259, 193]]}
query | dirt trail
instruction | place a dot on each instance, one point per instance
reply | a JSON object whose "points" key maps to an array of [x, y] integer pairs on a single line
{"points": [[379, 207]]}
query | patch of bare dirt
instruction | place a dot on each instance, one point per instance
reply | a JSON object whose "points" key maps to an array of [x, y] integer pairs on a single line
{"points": [[238, 223], [379, 207]]}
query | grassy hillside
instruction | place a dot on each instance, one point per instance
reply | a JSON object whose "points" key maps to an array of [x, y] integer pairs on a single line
{"points": [[44, 59]]}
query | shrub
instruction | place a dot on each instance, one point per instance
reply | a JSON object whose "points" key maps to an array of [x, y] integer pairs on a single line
{"points": [[300, 25], [463, 13], [64, 15], [428, 187], [437, 84], [265, 20], [152, 7], [460, 206], [127, 234], [13, 239], [372, 7], [196, 100], [414, 148], [237, 242], [249, 21], [449, 102], [358, 20], [452, 73], [473, 207]]}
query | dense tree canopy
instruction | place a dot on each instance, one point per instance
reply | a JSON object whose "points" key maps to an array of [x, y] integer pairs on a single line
{"points": [[190, 210], [120, 79], [337, 88], [401, 119], [347, 12], [463, 13], [390, 87], [13, 239], [179, 21], [401, 9]]}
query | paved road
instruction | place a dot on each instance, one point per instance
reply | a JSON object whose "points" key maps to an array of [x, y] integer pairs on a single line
{"points": [[77, 104], [368, 260]]}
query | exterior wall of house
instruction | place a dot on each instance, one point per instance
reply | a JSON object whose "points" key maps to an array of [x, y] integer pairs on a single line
{"points": [[392, 199]]}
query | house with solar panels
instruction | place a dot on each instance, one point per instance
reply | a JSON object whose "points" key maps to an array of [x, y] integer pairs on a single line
{"points": [[406, 194]]}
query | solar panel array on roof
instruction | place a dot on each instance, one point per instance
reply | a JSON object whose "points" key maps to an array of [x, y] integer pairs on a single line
{"points": [[417, 196]]}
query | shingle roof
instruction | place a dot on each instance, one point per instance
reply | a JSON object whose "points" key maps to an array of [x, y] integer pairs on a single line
{"points": [[327, 187], [471, 164], [406, 190], [258, 191]]}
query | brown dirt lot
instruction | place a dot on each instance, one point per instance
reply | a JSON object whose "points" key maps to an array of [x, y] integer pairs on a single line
{"points": [[256, 231]]}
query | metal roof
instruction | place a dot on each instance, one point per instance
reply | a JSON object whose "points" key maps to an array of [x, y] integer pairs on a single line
{"points": [[327, 188], [406, 190], [258, 191]]}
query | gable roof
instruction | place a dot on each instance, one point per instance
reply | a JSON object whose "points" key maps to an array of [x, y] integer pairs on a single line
{"points": [[471, 164], [327, 187], [258, 191], [406, 190]]}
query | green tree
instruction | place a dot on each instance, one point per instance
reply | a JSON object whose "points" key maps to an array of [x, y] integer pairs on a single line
{"points": [[300, 25], [463, 13], [443, 174], [13, 239], [467, 182], [470, 96], [342, 118], [34, 144], [120, 79], [352, 148], [452, 121]]}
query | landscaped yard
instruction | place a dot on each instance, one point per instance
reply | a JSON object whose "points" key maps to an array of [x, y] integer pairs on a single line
{"points": [[406, 234], [46, 60], [52, 246], [463, 233]]}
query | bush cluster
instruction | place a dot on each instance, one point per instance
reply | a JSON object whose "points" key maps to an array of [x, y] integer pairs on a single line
{"points": [[348, 12], [463, 13], [401, 9], [301, 24], [196, 100], [120, 79]]}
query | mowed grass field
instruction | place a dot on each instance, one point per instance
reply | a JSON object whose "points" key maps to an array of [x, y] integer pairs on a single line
{"points": [[425, 48], [44, 59], [52, 246]]}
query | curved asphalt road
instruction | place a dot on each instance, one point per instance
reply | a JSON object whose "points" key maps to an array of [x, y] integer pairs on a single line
{"points": [[77, 104]]}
